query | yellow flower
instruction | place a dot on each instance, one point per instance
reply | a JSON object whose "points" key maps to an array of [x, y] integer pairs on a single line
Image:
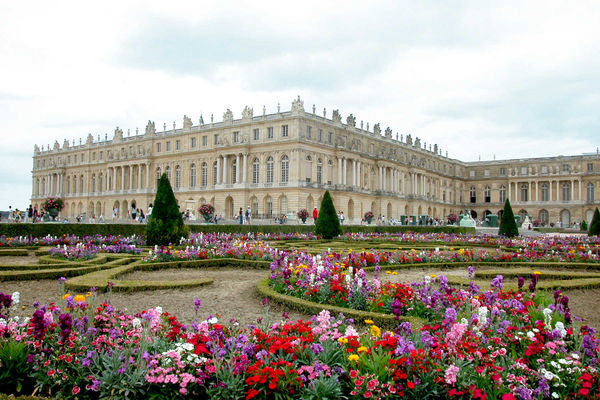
{"points": [[394, 273], [375, 331], [368, 321], [79, 298], [343, 340], [537, 273], [362, 349], [353, 357], [388, 272], [89, 294], [433, 275], [66, 295]]}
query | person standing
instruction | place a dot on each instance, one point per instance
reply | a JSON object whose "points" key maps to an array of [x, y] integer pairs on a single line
{"points": [[241, 216], [248, 214], [133, 212], [315, 214]]}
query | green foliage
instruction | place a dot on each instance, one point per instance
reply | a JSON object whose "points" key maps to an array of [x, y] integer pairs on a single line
{"points": [[584, 225], [328, 224], [165, 225], [15, 370], [322, 388], [595, 224], [508, 226]]}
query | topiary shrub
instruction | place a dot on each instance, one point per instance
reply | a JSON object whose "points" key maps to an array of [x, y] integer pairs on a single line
{"points": [[165, 225], [584, 226], [595, 224], [328, 223], [508, 226]]}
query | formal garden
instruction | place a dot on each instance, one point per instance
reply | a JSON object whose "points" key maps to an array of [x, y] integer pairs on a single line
{"points": [[307, 315]]}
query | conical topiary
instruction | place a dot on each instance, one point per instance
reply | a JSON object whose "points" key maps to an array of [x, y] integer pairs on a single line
{"points": [[328, 223], [595, 224], [165, 225], [508, 226]]}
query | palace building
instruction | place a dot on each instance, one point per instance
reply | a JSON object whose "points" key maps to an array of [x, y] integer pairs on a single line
{"points": [[281, 162]]}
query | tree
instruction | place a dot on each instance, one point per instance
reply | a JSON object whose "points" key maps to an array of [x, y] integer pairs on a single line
{"points": [[595, 224], [165, 225], [508, 226], [328, 223]]}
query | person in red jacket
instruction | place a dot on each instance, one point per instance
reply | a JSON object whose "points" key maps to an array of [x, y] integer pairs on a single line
{"points": [[315, 214]]}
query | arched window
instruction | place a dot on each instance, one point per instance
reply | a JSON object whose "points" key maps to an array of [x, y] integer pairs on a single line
{"points": [[193, 175], [81, 184], [269, 207], [215, 172], [177, 176], [204, 175], [487, 194], [319, 171], [524, 192], [544, 217], [168, 172], [283, 205], [566, 191], [100, 182], [285, 171], [545, 196], [590, 192], [157, 176], [255, 170], [270, 170], [502, 192], [473, 195]]}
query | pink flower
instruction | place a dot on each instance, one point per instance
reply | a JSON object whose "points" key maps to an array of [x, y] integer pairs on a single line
{"points": [[76, 390], [450, 374], [353, 373], [372, 384], [368, 394]]}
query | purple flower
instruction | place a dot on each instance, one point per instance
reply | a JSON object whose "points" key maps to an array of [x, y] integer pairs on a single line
{"points": [[498, 282], [316, 348], [197, 305], [520, 282]]}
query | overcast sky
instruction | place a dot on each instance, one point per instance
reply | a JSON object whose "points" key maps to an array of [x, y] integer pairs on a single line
{"points": [[481, 79]]}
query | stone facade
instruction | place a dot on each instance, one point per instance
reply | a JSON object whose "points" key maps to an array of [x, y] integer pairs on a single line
{"points": [[278, 163]]}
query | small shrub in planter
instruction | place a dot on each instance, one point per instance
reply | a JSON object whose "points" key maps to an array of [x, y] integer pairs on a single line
{"points": [[207, 211], [303, 214], [165, 225], [369, 216]]}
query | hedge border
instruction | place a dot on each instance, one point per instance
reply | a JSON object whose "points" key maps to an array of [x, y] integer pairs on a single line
{"points": [[309, 307], [14, 252]]}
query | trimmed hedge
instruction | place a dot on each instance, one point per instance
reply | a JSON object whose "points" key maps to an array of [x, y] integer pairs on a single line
{"points": [[56, 229], [14, 252], [309, 307]]}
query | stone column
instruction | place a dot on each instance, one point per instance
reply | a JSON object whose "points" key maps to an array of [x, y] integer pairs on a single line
{"points": [[353, 172], [147, 176], [224, 169], [380, 179], [139, 182], [218, 170], [245, 163], [339, 164], [537, 189], [122, 178], [509, 191], [572, 190], [114, 180], [345, 171], [550, 191], [130, 177], [579, 187]]}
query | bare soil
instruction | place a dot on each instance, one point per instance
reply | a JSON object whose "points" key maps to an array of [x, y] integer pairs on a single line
{"points": [[18, 260]]}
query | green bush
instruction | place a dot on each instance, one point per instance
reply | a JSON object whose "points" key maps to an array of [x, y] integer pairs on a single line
{"points": [[165, 225], [595, 224], [584, 225], [15, 370], [508, 226], [328, 224]]}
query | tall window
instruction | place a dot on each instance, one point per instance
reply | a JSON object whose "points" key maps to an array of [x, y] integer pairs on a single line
{"points": [[502, 192], [193, 142], [255, 170], [590, 192], [168, 172], [473, 195], [205, 141], [309, 132], [168, 146], [178, 176], [487, 194], [193, 176], [256, 133], [236, 137], [319, 172], [283, 205], [320, 135], [284, 131], [93, 183], [269, 207], [566, 191], [178, 144], [234, 171], [157, 176], [285, 168], [215, 172], [270, 132], [205, 174], [37, 186], [544, 217], [100, 182], [270, 170], [545, 196], [255, 207], [524, 192]]}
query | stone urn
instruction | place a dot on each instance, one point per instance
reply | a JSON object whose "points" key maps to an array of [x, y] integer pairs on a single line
{"points": [[207, 217], [53, 213]]}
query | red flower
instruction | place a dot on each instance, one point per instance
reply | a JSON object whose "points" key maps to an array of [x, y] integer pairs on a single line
{"points": [[76, 390]]}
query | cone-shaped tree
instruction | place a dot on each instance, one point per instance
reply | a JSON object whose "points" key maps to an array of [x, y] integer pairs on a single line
{"points": [[328, 224], [508, 226], [165, 225], [595, 224]]}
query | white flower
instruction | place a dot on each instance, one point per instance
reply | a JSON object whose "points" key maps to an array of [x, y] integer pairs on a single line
{"points": [[555, 395], [548, 375], [530, 335], [159, 309], [136, 323], [16, 297], [213, 320]]}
